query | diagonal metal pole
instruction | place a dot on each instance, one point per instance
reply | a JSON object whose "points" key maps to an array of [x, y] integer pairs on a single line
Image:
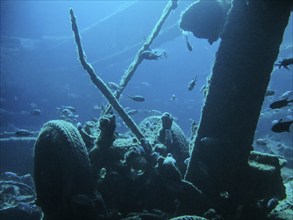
{"points": [[103, 87], [171, 5]]}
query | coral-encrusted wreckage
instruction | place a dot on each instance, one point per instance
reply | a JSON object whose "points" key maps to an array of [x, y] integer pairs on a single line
{"points": [[154, 172]]}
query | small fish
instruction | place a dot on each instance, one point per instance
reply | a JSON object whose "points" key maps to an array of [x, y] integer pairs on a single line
{"points": [[225, 195], [66, 112], [153, 54], [72, 109], [97, 108], [287, 94], [103, 173], [281, 126], [261, 142], [189, 47], [285, 63], [36, 112], [275, 122], [132, 112], [272, 203], [280, 103], [113, 86], [137, 98], [173, 97], [209, 141], [269, 92], [69, 114], [192, 84], [146, 84]]}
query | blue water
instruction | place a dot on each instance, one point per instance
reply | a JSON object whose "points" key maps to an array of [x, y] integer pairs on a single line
{"points": [[40, 69]]}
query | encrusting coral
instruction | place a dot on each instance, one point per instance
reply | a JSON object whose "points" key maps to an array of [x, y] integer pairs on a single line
{"points": [[166, 136], [142, 176]]}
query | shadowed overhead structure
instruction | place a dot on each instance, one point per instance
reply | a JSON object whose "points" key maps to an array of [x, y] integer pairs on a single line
{"points": [[205, 19]]}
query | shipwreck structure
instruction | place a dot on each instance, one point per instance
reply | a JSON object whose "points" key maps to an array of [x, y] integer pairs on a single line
{"points": [[222, 149], [225, 178]]}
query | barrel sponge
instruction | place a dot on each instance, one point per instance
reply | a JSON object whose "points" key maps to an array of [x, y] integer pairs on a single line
{"points": [[151, 127], [61, 166]]}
